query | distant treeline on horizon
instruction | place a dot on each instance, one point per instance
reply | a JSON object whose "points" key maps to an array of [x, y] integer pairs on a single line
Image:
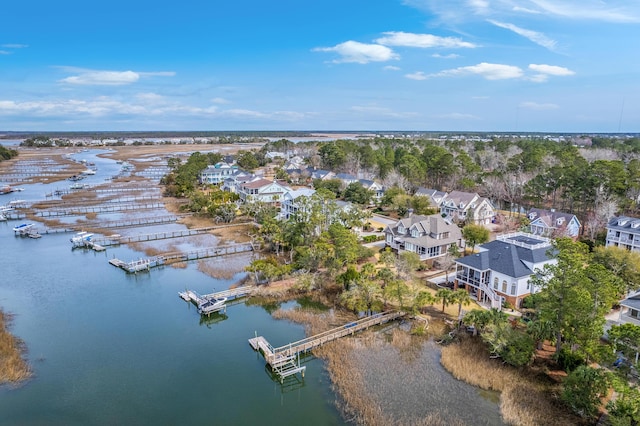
{"points": [[275, 134]]}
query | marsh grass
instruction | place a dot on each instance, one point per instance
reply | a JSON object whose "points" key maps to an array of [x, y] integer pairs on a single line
{"points": [[525, 399], [13, 368]]}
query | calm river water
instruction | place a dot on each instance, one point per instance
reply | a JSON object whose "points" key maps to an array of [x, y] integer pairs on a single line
{"points": [[111, 348]]}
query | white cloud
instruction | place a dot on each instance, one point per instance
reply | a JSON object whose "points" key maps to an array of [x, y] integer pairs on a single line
{"points": [[526, 10], [417, 76], [5, 52], [480, 7], [596, 10], [449, 56], [108, 78], [362, 53], [533, 36], [391, 68], [14, 46], [551, 69], [538, 106], [458, 116], [220, 101], [399, 38], [484, 69]]}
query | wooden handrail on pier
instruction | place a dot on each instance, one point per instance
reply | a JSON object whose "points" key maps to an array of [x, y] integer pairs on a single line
{"points": [[276, 357]]}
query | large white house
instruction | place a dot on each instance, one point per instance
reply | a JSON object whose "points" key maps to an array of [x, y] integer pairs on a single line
{"points": [[264, 190], [624, 231], [291, 201], [467, 207], [428, 236], [500, 271], [217, 173]]}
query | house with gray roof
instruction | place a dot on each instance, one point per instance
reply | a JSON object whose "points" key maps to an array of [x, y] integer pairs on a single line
{"points": [[435, 196], [500, 271], [624, 231], [292, 201], [428, 236], [374, 187], [217, 173], [630, 309], [263, 190], [467, 207], [550, 223]]}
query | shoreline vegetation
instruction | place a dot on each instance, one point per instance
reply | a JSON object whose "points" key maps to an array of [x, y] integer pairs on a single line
{"points": [[13, 367]]}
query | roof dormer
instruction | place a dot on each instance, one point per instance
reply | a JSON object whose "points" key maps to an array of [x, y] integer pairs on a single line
{"points": [[559, 221], [623, 221], [635, 224]]}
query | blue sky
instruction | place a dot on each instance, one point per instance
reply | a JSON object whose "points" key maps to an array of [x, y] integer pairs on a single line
{"points": [[458, 65]]}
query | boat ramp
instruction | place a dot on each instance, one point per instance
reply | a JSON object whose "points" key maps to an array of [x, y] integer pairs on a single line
{"points": [[285, 360]]}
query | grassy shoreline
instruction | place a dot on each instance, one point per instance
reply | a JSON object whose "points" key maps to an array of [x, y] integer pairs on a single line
{"points": [[527, 397], [13, 367]]}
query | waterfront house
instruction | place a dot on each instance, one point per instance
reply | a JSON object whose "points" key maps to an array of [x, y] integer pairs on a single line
{"points": [[428, 236], [499, 273], [467, 207], [624, 231], [264, 190], [291, 201], [217, 173], [550, 223]]}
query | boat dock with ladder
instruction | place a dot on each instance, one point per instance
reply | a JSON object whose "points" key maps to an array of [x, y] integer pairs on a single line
{"points": [[285, 360]]}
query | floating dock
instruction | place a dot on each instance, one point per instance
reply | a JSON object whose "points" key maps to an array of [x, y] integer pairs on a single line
{"points": [[202, 300], [138, 265], [285, 360]]}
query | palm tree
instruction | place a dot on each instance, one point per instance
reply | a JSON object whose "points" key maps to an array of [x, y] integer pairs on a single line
{"points": [[424, 298], [461, 297], [540, 331], [444, 294]]}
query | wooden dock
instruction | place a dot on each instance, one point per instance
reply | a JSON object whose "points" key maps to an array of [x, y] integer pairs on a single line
{"points": [[77, 211], [147, 264], [138, 265], [230, 294], [285, 360], [107, 241]]}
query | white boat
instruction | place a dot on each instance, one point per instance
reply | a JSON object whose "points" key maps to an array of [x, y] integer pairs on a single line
{"points": [[78, 185], [211, 305], [88, 172], [81, 237], [23, 228]]}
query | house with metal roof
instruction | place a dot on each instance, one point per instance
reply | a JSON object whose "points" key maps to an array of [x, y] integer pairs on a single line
{"points": [[624, 231], [550, 223], [435, 196], [217, 173], [428, 236], [500, 271], [292, 201]]}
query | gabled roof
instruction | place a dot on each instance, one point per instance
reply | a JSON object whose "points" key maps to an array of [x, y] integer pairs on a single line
{"points": [[625, 223], [550, 217], [345, 176], [632, 301], [428, 225], [258, 183], [302, 192], [459, 197], [508, 257]]}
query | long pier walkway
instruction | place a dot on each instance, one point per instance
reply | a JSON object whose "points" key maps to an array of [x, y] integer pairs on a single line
{"points": [[285, 360], [146, 264], [108, 241]]}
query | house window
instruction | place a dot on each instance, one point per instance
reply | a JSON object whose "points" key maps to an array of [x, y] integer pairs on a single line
{"points": [[633, 313], [528, 285], [504, 286], [495, 283], [513, 288]]}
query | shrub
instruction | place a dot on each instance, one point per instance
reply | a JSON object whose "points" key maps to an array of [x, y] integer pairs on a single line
{"points": [[569, 361]]}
